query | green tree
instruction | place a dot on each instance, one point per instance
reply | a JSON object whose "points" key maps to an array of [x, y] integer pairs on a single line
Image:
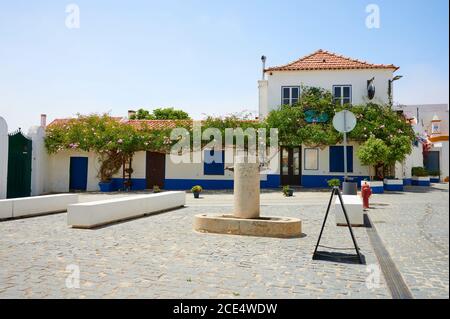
{"points": [[373, 152], [168, 113]]}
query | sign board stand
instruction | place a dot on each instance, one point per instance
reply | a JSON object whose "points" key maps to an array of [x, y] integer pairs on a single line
{"points": [[323, 255]]}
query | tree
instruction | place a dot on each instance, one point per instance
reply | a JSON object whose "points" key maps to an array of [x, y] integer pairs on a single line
{"points": [[168, 113], [373, 152]]}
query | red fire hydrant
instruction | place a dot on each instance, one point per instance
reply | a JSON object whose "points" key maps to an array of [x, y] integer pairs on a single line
{"points": [[365, 193]]}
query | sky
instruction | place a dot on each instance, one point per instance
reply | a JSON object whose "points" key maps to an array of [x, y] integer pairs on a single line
{"points": [[200, 56]]}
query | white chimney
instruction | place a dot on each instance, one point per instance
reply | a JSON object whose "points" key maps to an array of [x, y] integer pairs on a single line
{"points": [[43, 120], [263, 60]]}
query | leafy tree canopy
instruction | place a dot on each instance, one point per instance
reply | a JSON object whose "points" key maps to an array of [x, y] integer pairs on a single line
{"points": [[168, 113]]}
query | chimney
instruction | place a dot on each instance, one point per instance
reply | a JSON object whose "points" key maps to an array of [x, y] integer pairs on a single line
{"points": [[43, 120], [263, 60], [131, 113]]}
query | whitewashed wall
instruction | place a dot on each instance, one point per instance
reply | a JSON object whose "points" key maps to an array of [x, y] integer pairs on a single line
{"points": [[39, 160], [324, 163], [324, 79], [3, 157]]}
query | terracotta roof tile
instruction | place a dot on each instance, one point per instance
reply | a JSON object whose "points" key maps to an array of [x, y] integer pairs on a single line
{"points": [[324, 60]]}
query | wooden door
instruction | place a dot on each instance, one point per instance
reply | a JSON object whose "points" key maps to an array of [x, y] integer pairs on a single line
{"points": [[19, 166], [290, 166], [155, 169]]}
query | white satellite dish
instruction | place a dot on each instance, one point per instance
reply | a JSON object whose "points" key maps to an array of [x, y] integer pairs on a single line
{"points": [[344, 121]]}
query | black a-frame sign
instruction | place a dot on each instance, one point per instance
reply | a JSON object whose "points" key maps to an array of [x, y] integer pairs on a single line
{"points": [[323, 255]]}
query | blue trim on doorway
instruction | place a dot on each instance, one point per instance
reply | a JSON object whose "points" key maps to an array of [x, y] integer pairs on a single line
{"points": [[320, 181]]}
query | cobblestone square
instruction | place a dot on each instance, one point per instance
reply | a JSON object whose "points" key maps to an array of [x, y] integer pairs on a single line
{"points": [[160, 256]]}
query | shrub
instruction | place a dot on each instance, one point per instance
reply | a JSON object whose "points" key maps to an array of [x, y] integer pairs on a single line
{"points": [[335, 182], [434, 173], [156, 189], [196, 189], [286, 190], [419, 171]]}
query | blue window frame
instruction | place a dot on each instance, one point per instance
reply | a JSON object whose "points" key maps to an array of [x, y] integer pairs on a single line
{"points": [[210, 167], [337, 159]]}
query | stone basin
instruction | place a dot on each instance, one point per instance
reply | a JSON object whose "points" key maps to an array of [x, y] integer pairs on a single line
{"points": [[278, 227]]}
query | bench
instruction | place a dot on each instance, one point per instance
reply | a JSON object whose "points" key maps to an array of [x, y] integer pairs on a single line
{"points": [[35, 205], [98, 213], [354, 208]]}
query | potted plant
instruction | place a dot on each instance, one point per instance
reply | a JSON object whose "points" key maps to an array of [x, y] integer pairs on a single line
{"points": [[435, 176], [287, 191], [393, 184], [420, 176], [374, 153], [156, 189], [196, 190], [334, 182]]}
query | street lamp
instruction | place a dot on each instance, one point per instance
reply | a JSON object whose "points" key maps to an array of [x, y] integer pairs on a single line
{"points": [[395, 78]]}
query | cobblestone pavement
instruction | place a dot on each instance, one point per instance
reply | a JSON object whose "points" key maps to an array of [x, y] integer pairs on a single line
{"points": [[160, 256], [414, 227]]}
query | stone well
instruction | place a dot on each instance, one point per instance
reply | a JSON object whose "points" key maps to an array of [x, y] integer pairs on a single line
{"points": [[245, 219]]}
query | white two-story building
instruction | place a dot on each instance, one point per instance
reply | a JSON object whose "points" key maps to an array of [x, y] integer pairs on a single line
{"points": [[348, 80]]}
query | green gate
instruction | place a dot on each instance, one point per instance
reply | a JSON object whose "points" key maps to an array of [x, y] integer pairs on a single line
{"points": [[19, 165]]}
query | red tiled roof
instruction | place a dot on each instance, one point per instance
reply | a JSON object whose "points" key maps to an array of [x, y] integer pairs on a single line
{"points": [[324, 60], [157, 124]]}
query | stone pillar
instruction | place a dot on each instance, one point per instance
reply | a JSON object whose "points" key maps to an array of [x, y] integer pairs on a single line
{"points": [[246, 190], [3, 157], [39, 160]]}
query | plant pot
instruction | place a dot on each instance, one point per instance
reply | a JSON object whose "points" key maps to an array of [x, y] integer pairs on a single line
{"points": [[377, 187], [196, 195], [420, 180], [435, 179], [349, 188], [106, 186], [393, 184], [290, 193]]}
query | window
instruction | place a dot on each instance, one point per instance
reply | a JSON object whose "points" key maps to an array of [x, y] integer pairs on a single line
{"points": [[342, 94], [337, 159], [311, 159], [290, 95], [214, 164]]}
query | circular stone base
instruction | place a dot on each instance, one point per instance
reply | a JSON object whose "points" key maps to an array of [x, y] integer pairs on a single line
{"points": [[279, 227]]}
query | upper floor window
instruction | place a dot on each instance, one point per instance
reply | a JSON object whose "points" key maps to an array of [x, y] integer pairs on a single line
{"points": [[290, 95], [342, 94]]}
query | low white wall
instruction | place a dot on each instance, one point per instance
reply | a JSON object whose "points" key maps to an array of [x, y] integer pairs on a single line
{"points": [[39, 160], [3, 157], [29, 206], [91, 214]]}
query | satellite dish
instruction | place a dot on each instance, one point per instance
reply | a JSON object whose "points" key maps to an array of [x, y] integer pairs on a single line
{"points": [[370, 89], [344, 121]]}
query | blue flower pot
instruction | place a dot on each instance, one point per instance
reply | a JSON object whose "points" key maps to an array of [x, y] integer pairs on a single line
{"points": [[106, 186]]}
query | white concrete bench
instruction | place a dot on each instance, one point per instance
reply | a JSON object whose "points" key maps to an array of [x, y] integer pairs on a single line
{"points": [[36, 205], [93, 214], [354, 208]]}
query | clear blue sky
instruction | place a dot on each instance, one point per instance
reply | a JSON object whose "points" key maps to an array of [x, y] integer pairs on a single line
{"points": [[201, 56]]}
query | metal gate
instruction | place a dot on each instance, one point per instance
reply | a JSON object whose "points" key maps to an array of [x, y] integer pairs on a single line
{"points": [[19, 165]]}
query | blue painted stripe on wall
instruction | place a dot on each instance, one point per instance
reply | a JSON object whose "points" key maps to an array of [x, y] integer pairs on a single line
{"points": [[136, 184], [377, 190], [273, 181], [321, 180], [406, 181]]}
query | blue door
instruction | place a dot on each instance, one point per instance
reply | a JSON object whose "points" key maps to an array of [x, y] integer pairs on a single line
{"points": [[431, 161], [78, 173]]}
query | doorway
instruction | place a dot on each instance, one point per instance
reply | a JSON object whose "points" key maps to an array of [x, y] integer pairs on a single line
{"points": [[290, 165], [78, 173], [19, 166], [155, 169]]}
